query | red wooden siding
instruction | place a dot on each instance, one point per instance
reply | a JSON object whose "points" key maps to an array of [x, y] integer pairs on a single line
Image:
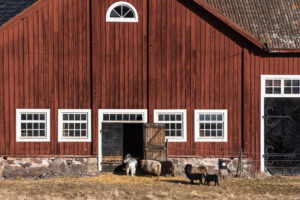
{"points": [[257, 64], [45, 59], [63, 54], [194, 66], [119, 61]]}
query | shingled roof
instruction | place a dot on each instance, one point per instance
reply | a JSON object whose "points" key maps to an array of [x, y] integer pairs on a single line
{"points": [[10, 8], [273, 22]]}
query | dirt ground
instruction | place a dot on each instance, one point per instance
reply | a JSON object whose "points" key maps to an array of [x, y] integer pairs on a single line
{"points": [[121, 187]]}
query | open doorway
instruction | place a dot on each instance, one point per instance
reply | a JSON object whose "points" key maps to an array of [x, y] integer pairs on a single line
{"points": [[133, 141]]}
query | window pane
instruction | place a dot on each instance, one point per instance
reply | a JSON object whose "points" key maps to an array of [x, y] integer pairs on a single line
{"points": [[77, 126], [213, 133], [201, 133], [71, 133], [220, 126], [287, 82], [178, 117], [130, 14], [296, 90], [105, 117], [29, 116], [83, 133], [213, 126], [201, 126], [172, 133], [220, 134], [29, 133], [269, 83], [36, 126], [277, 83], [42, 116], [23, 125], [36, 117], [277, 90], [139, 117], [213, 117], [125, 10], [29, 125], [207, 117], [269, 90], [36, 133], [168, 126], [114, 14], [71, 117], [83, 126], [207, 126], [172, 117], [23, 116], [126, 117], [65, 134], [65, 117], [295, 82], [112, 117], [71, 126], [167, 118], [201, 117], [132, 117], [207, 133], [178, 133], [119, 117], [118, 10], [287, 90], [172, 126], [42, 125], [220, 117], [178, 126], [77, 133], [77, 117], [167, 133], [83, 116], [42, 133], [160, 117]]}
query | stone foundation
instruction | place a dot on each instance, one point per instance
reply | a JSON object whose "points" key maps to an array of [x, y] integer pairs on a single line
{"points": [[212, 164], [34, 168]]}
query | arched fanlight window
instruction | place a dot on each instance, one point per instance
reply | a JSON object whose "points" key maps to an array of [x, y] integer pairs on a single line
{"points": [[121, 12]]}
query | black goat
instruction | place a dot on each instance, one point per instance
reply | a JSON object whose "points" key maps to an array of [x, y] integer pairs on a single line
{"points": [[211, 177], [193, 175]]}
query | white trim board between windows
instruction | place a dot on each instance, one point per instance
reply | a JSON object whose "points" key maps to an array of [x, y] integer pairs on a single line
{"points": [[197, 112], [182, 112], [19, 138], [88, 122]]}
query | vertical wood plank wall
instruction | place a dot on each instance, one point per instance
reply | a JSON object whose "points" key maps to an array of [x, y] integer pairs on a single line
{"points": [[193, 65], [45, 63], [177, 56]]}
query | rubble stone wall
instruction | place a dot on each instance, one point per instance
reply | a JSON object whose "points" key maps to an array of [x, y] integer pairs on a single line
{"points": [[212, 165], [34, 168]]}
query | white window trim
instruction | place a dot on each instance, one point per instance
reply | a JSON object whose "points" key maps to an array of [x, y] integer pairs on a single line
{"points": [[184, 124], [278, 77], [75, 139], [110, 19], [196, 124], [19, 138], [101, 112]]}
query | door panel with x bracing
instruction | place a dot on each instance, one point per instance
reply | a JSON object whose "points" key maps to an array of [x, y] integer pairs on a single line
{"points": [[282, 135]]}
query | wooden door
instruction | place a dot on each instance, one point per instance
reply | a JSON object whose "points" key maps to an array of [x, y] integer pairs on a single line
{"points": [[112, 146], [155, 146]]}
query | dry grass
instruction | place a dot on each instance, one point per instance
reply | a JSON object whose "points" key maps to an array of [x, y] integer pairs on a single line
{"points": [[122, 187]]}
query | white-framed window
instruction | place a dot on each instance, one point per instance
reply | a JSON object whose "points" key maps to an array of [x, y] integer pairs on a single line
{"points": [[175, 123], [280, 85], [33, 125], [121, 12], [210, 125], [74, 125]]}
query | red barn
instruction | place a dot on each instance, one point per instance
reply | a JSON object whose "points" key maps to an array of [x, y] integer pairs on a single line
{"points": [[80, 78]]}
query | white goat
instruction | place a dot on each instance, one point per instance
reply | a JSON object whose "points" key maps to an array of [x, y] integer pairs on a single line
{"points": [[131, 164]]}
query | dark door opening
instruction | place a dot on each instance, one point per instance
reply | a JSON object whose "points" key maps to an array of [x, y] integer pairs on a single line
{"points": [[133, 140]]}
